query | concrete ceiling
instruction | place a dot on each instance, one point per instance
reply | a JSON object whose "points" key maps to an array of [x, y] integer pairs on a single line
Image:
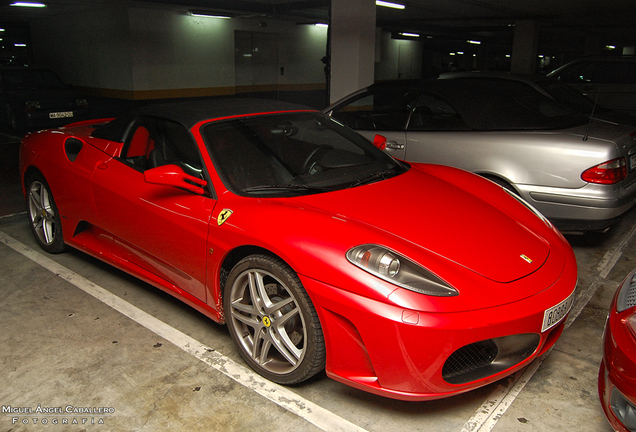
{"points": [[566, 26]]}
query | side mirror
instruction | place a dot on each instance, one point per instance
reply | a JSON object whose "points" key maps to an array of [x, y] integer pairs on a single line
{"points": [[379, 141], [172, 175]]}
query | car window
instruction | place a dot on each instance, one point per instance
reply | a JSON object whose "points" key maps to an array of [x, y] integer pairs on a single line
{"points": [[430, 113], [153, 142], [382, 110]]}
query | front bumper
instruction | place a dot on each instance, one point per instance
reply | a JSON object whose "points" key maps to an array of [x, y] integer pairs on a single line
{"points": [[617, 375], [404, 354]]}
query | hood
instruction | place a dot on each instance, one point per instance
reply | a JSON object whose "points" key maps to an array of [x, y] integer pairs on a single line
{"points": [[471, 231]]}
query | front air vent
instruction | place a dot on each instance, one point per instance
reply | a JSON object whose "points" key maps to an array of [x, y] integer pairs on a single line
{"points": [[485, 358]]}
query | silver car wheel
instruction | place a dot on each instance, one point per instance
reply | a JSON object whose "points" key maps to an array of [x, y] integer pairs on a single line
{"points": [[268, 321], [273, 321], [43, 215]]}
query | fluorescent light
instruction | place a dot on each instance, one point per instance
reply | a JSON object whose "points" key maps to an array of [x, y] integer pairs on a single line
{"points": [[208, 15], [321, 25], [610, 46], [474, 42], [28, 4], [19, 44], [389, 4], [410, 34]]}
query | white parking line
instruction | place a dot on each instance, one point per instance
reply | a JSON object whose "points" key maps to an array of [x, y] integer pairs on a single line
{"points": [[320, 417]]}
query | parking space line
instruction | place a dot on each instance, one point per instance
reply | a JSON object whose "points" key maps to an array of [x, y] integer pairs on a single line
{"points": [[283, 397]]}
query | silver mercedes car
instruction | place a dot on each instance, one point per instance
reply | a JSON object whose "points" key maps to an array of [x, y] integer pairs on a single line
{"points": [[579, 171]]}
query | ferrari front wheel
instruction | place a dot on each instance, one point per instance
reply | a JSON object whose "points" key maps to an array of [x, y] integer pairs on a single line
{"points": [[273, 321], [43, 215]]}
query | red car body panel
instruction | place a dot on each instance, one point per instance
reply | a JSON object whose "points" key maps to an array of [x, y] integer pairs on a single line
{"points": [[508, 265], [617, 374]]}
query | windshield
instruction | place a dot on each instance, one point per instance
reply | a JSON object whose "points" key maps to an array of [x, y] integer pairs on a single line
{"points": [[32, 79], [293, 154]]}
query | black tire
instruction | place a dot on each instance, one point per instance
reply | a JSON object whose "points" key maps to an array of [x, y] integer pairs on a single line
{"points": [[272, 320], [43, 215]]}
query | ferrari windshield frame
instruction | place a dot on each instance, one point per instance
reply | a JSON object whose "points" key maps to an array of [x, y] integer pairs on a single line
{"points": [[293, 154]]}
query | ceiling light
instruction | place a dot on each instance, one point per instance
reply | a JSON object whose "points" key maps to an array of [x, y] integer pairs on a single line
{"points": [[415, 35], [196, 13], [389, 4], [474, 42], [321, 25], [28, 4]]}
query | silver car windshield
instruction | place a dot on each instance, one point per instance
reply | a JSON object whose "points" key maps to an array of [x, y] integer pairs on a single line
{"points": [[293, 154]]}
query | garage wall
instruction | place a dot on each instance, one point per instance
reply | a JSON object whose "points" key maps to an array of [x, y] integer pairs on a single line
{"points": [[88, 49], [397, 58], [148, 53]]}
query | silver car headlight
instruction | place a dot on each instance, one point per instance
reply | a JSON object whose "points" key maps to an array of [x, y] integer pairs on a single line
{"points": [[398, 270]]}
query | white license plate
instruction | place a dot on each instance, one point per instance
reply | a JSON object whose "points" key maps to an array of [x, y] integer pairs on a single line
{"points": [[555, 314], [632, 162], [63, 114]]}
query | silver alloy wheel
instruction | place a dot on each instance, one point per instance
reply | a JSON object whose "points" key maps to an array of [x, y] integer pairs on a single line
{"points": [[42, 213], [268, 321]]}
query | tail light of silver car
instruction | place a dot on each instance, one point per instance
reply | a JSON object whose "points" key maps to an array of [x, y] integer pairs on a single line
{"points": [[610, 172]]}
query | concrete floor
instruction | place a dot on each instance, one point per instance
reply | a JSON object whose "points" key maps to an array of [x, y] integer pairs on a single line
{"points": [[63, 346]]}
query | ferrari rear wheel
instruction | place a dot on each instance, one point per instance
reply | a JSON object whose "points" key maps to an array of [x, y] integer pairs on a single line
{"points": [[43, 215], [273, 321]]}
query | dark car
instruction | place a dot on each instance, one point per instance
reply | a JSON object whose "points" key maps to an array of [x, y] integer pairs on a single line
{"points": [[34, 98], [611, 81]]}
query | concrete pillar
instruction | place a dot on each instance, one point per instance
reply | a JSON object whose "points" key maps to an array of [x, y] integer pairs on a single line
{"points": [[524, 47], [352, 46]]}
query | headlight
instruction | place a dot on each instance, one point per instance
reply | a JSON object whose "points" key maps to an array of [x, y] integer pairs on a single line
{"points": [[627, 294], [33, 104], [398, 270]]}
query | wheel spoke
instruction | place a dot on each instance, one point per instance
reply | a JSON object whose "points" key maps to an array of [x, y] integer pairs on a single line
{"points": [[284, 345], [257, 292]]}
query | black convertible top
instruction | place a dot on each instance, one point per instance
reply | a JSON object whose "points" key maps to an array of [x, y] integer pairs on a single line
{"points": [[189, 113]]}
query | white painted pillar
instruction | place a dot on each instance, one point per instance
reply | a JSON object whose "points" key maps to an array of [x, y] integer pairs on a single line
{"points": [[352, 42]]}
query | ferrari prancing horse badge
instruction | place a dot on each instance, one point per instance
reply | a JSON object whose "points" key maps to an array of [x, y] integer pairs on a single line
{"points": [[223, 216]]}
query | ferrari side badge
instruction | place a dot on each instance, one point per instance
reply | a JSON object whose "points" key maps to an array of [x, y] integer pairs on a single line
{"points": [[526, 258], [223, 216]]}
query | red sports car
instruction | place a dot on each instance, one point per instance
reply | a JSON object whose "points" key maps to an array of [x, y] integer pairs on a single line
{"points": [[617, 376], [317, 249]]}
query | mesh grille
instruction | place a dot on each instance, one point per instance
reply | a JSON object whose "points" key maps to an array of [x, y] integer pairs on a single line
{"points": [[469, 358], [630, 298]]}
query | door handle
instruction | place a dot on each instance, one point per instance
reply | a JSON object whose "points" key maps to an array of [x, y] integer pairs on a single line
{"points": [[392, 145]]}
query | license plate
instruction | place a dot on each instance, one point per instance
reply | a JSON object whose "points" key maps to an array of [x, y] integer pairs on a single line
{"points": [[555, 314], [62, 114], [632, 162]]}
